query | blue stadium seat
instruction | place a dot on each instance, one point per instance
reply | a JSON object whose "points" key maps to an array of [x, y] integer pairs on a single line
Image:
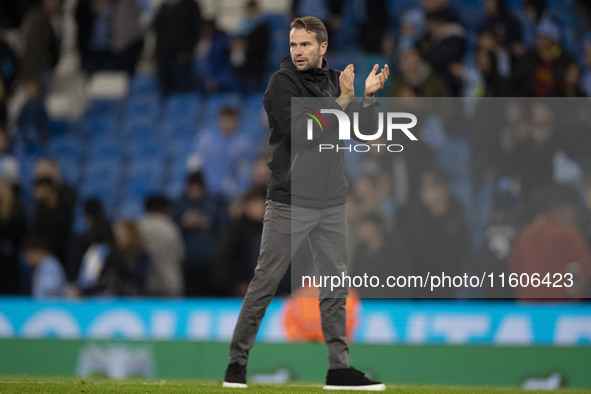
{"points": [[140, 127], [218, 101], [70, 169], [130, 208], [103, 108], [107, 149], [146, 148], [142, 84], [103, 171], [60, 128], [145, 106], [150, 170], [101, 125], [179, 148], [179, 127], [66, 148], [183, 105]]}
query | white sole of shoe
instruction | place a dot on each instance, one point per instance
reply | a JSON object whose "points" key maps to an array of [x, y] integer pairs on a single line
{"points": [[232, 385], [371, 387]]}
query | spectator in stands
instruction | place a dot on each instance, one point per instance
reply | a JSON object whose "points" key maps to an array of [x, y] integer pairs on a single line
{"points": [[535, 12], [419, 76], [178, 27], [486, 80], [551, 244], [538, 72], [12, 231], [569, 83], [93, 263], [504, 26], [223, 155], [48, 279], [41, 45], [9, 69], [196, 215], [372, 18], [52, 217], [444, 8], [438, 221], [40, 36], [498, 238], [97, 227], [164, 244], [9, 166], [126, 269], [239, 247], [128, 35], [443, 48], [586, 77], [532, 159], [412, 28], [95, 28], [381, 254], [47, 167], [218, 75], [250, 50]]}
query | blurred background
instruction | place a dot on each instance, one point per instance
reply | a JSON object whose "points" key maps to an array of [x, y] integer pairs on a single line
{"points": [[133, 149]]}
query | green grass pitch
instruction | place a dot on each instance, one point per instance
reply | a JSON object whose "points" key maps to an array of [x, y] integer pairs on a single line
{"points": [[26, 384]]}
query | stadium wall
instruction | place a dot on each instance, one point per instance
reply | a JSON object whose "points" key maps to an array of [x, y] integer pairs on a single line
{"points": [[421, 342]]}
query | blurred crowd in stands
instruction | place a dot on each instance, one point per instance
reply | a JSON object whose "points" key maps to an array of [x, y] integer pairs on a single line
{"points": [[163, 193]]}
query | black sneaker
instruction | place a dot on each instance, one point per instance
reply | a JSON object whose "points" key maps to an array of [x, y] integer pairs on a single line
{"points": [[351, 379], [235, 376]]}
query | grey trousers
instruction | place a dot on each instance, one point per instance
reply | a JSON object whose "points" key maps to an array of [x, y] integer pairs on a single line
{"points": [[284, 229]]}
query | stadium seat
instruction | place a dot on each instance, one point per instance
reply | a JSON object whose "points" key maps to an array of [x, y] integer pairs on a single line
{"points": [[130, 209], [66, 148], [183, 105], [140, 127], [218, 101], [145, 148], [103, 108], [143, 84], [143, 109], [101, 125], [179, 127], [70, 169], [107, 149], [146, 170]]}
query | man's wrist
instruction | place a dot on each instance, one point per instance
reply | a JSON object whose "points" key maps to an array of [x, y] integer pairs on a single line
{"points": [[368, 99]]}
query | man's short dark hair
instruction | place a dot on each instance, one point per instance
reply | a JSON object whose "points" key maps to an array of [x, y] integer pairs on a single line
{"points": [[35, 242], [229, 111], [157, 203], [93, 208], [558, 196], [437, 16], [196, 178], [312, 25]]}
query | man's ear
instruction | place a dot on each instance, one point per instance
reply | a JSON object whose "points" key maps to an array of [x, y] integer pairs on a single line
{"points": [[323, 48]]}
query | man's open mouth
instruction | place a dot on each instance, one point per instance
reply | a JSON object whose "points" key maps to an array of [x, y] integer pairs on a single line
{"points": [[300, 62]]}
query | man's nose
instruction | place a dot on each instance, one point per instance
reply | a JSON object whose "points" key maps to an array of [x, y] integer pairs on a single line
{"points": [[298, 51]]}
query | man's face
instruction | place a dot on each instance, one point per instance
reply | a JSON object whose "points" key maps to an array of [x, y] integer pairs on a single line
{"points": [[34, 256], [410, 62], [306, 52], [228, 123]]}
